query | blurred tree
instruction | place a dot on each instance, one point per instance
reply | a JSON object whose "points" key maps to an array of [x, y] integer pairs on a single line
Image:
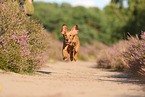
{"points": [[136, 15], [108, 25], [114, 18], [53, 17], [119, 3], [66, 5]]}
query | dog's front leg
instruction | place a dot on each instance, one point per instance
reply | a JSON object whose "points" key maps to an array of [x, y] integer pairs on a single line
{"points": [[71, 55], [64, 52], [75, 56], [76, 49]]}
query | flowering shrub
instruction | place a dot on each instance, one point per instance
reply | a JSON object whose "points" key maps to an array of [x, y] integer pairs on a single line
{"points": [[23, 43], [90, 51], [126, 55], [112, 57], [135, 54]]}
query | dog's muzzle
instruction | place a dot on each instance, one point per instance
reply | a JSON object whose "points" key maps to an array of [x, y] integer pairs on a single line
{"points": [[67, 41]]}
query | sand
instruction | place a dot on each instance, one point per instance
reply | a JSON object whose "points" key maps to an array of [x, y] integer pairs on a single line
{"points": [[70, 79]]}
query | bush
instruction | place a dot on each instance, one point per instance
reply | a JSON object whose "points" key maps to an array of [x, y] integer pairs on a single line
{"points": [[112, 57], [126, 55], [135, 54], [23, 43]]}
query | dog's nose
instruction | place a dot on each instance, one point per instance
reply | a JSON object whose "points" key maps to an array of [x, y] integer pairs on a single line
{"points": [[66, 40]]}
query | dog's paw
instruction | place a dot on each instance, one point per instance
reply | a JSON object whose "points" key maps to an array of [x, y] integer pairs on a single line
{"points": [[65, 59], [71, 58], [75, 59]]}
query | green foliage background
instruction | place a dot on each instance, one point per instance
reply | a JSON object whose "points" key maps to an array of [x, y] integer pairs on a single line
{"points": [[53, 16], [108, 25]]}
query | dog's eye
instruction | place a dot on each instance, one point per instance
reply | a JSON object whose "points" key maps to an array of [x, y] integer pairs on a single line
{"points": [[69, 35]]}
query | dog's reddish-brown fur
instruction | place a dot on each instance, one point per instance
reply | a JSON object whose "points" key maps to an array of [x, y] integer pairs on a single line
{"points": [[70, 42]]}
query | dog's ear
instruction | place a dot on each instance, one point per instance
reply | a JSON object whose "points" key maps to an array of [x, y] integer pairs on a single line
{"points": [[64, 29], [75, 30]]}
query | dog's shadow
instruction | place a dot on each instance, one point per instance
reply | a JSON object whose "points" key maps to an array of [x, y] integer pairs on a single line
{"points": [[44, 72]]}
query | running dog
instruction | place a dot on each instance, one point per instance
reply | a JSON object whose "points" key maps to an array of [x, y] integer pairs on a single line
{"points": [[71, 42]]}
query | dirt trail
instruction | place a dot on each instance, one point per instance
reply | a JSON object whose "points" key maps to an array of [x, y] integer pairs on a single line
{"points": [[69, 79]]}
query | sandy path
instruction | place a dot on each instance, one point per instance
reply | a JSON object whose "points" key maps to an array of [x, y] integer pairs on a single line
{"points": [[70, 79]]}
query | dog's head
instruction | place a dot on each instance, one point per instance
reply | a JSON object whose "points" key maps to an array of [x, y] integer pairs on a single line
{"points": [[69, 35]]}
